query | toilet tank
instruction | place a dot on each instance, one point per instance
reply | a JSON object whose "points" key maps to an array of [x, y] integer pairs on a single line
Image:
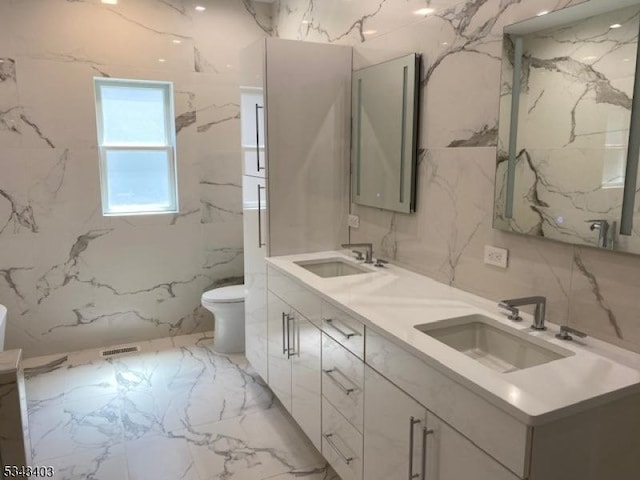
{"points": [[3, 325]]}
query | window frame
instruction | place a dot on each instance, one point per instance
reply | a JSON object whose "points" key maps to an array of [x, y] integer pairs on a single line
{"points": [[169, 146]]}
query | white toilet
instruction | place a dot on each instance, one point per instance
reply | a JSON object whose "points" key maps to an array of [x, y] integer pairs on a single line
{"points": [[227, 306]]}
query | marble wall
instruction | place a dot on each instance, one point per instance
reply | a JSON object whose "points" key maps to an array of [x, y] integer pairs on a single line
{"points": [[71, 278], [574, 116], [461, 43]]}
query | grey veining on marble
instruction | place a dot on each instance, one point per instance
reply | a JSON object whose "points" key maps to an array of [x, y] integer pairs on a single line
{"points": [[71, 278], [462, 46], [575, 111], [175, 410]]}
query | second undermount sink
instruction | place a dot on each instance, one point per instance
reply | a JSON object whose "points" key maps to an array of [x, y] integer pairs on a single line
{"points": [[493, 344], [332, 267]]}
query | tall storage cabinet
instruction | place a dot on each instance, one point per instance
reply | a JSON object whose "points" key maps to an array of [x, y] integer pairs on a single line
{"points": [[295, 117]]}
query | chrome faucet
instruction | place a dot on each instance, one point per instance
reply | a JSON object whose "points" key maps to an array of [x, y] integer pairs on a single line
{"points": [[603, 228], [538, 315], [368, 254]]}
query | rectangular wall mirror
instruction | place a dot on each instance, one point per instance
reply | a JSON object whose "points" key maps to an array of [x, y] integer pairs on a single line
{"points": [[569, 136], [384, 134]]}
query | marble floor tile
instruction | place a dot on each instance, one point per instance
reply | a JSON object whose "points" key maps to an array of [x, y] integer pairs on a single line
{"points": [[99, 464], [251, 447], [175, 410], [160, 458]]}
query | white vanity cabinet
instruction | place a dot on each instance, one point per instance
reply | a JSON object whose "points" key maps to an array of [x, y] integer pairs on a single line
{"points": [[394, 425], [279, 333], [403, 440], [294, 365]]}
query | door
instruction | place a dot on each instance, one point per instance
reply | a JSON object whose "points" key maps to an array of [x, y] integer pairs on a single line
{"points": [[255, 273], [280, 348], [305, 378], [394, 426], [450, 456]]}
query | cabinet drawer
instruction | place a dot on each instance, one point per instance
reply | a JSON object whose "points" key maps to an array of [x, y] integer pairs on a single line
{"points": [[295, 294], [341, 443], [343, 381], [343, 328], [491, 429]]}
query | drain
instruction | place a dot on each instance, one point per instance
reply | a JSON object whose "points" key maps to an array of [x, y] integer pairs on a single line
{"points": [[119, 351]]}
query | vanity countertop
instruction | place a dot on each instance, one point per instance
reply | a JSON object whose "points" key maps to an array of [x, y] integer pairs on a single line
{"points": [[392, 300]]}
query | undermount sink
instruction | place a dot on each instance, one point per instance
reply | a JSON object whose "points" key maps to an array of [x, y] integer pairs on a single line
{"points": [[492, 344], [332, 267]]}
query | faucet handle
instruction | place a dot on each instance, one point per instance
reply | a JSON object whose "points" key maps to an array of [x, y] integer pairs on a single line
{"points": [[359, 255], [514, 314], [565, 331], [380, 263]]}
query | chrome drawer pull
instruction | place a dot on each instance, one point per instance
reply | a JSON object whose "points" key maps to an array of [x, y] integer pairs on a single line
{"points": [[328, 437], [425, 433], [332, 324], [412, 423], [345, 390]]}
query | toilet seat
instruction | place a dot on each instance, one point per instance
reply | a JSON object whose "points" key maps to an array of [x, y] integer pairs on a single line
{"points": [[231, 294]]}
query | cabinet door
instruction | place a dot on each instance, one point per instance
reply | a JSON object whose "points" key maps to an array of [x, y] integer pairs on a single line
{"points": [[450, 456], [255, 274], [305, 378], [279, 332], [252, 104], [393, 431]]}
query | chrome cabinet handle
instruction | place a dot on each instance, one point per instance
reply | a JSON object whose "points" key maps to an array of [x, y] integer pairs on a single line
{"points": [[284, 319], [290, 351], [332, 324], [258, 167], [329, 438], [345, 390], [425, 433], [412, 423], [260, 244]]}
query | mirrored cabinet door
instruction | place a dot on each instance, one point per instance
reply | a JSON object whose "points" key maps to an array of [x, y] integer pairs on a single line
{"points": [[384, 134]]}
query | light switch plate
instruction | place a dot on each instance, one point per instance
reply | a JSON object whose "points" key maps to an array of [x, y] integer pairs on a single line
{"points": [[498, 257], [354, 221]]}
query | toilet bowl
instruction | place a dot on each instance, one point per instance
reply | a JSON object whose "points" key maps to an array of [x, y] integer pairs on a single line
{"points": [[227, 306], [3, 325]]}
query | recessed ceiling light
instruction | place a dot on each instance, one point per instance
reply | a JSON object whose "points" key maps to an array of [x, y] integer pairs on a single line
{"points": [[425, 11], [615, 25], [110, 2], [543, 12], [161, 60], [176, 41], [370, 32], [200, 8]]}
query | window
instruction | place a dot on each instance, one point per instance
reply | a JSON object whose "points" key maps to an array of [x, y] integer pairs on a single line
{"points": [[136, 140]]}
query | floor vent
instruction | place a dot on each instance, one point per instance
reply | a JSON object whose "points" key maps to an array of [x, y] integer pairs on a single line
{"points": [[119, 351]]}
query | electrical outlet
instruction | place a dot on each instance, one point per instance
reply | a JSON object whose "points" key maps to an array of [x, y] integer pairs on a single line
{"points": [[354, 221], [497, 257]]}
